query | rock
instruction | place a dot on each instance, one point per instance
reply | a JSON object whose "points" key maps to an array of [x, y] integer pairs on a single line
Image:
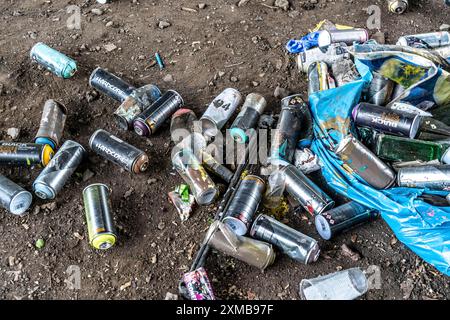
{"points": [[110, 47], [444, 27], [255, 83], [97, 11], [128, 193], [154, 259], [49, 206], [379, 37], [11, 261], [87, 175], [348, 252], [168, 78], [124, 286], [242, 3], [283, 4], [171, 296], [407, 287], [234, 79], [161, 225], [152, 181], [13, 132], [281, 93], [163, 24], [202, 5], [220, 74], [109, 24]]}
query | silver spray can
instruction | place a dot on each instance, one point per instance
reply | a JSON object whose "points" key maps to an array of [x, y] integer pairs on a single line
{"points": [[380, 90], [329, 55], [310, 196], [244, 205], [52, 123], [349, 36], [430, 177], [52, 179], [13, 197], [291, 242], [426, 40], [359, 159], [398, 6], [220, 111]]}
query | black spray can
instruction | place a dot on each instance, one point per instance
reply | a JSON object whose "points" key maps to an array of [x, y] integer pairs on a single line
{"points": [[110, 85], [118, 151], [52, 179], [339, 219], [386, 120], [244, 205], [154, 116], [13, 197], [291, 242], [52, 123], [24, 154], [248, 118], [288, 129]]}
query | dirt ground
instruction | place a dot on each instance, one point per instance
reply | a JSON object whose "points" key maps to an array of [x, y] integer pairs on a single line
{"points": [[205, 50]]}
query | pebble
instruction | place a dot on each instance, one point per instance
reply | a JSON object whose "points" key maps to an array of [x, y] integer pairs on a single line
{"points": [[152, 181], [280, 92], [11, 261], [13, 132], [242, 3], [154, 259], [97, 11], [234, 79], [164, 24], [350, 253], [283, 4], [88, 174], [110, 47], [444, 27], [49, 206], [168, 78], [124, 286], [171, 296], [109, 24], [202, 5]]}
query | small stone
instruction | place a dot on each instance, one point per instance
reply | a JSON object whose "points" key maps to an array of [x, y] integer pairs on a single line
{"points": [[220, 74], [255, 84], [49, 206], [280, 92], [379, 37], [164, 24], [109, 24], [25, 226], [161, 225], [242, 3], [97, 11], [11, 261], [407, 287], [154, 259], [444, 27], [283, 4], [234, 79], [152, 181], [168, 78], [13, 132], [202, 5], [91, 96], [78, 236], [128, 193], [110, 47], [40, 243], [124, 286], [171, 296], [88, 174]]}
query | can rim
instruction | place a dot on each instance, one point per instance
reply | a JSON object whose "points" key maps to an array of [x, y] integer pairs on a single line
{"points": [[252, 229], [73, 141], [321, 223], [92, 75], [63, 108], [415, 126], [29, 200], [176, 92], [324, 39], [94, 135], [97, 184], [46, 187], [144, 123], [242, 226]]}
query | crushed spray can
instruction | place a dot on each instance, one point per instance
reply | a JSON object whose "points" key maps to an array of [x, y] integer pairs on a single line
{"points": [[253, 252], [100, 224], [306, 161], [194, 174], [53, 60], [198, 285], [118, 151], [52, 123], [431, 177], [220, 111], [19, 154], [306, 192], [288, 131], [248, 118], [328, 55], [359, 159], [380, 90], [52, 179], [386, 120], [398, 6], [291, 242], [348, 36], [152, 118], [110, 85], [244, 205], [431, 40], [318, 77], [13, 197], [342, 218]]}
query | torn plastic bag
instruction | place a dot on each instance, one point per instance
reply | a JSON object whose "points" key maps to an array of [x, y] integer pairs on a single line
{"points": [[424, 228]]}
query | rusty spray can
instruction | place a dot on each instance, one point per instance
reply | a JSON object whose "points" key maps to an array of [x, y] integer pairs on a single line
{"points": [[52, 123]]}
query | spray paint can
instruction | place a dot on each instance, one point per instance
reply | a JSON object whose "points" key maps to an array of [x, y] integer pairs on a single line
{"points": [[318, 76], [380, 90], [24, 154], [399, 149], [154, 116], [253, 252], [52, 179], [194, 174], [431, 40], [244, 205], [386, 120], [216, 168], [53, 60], [359, 159], [110, 85], [306, 192], [344, 71], [398, 6], [327, 55], [182, 124], [220, 111], [118, 151], [291, 242], [430, 177], [52, 123], [13, 197], [134, 104], [288, 129], [248, 118], [97, 206], [198, 285], [342, 218], [408, 108], [348, 36]]}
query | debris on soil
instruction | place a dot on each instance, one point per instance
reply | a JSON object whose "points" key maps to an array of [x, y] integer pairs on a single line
{"points": [[40, 243], [13, 133]]}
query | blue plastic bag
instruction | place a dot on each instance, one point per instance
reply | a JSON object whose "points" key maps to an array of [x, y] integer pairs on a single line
{"points": [[305, 43]]}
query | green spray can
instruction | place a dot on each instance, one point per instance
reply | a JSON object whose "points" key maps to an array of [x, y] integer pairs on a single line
{"points": [[53, 60], [398, 149]]}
